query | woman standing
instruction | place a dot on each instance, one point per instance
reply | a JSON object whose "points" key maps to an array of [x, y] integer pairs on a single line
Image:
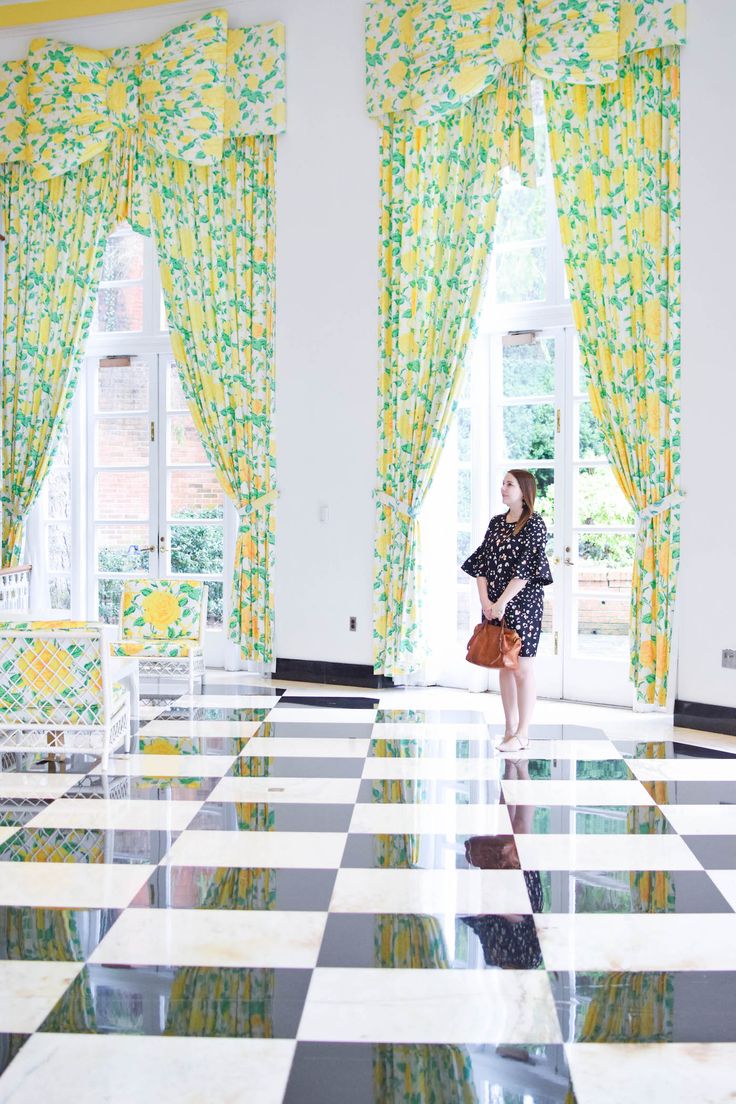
{"points": [[511, 568]]}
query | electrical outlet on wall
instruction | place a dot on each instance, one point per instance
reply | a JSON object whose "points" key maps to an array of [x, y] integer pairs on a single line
{"points": [[728, 657], [353, 624]]}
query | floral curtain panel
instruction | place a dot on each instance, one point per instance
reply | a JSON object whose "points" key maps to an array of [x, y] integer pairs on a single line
{"points": [[439, 188], [56, 235], [616, 158], [426, 62], [201, 98]]}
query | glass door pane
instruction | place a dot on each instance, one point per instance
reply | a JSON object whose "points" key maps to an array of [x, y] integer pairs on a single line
{"points": [[123, 494], [192, 498]]}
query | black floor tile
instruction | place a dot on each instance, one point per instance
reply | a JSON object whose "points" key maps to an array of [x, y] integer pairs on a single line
{"points": [[431, 747], [647, 1007], [316, 730], [211, 713], [161, 744], [233, 888], [400, 852], [623, 891], [376, 1073], [692, 793], [10, 1044], [286, 766], [17, 811], [276, 817], [52, 934], [292, 699], [669, 749], [395, 791], [600, 820], [242, 689], [713, 852], [86, 845], [430, 716], [217, 1002]]}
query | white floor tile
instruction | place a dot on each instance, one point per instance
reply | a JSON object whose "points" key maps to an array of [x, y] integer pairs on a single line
{"points": [[71, 885], [152, 816], [227, 701], [431, 731], [448, 819], [170, 766], [662, 941], [273, 790], [574, 792], [30, 990], [432, 767], [599, 852], [430, 891], [118, 1069], [684, 770], [306, 747], [36, 785], [726, 882], [207, 937], [430, 1006], [712, 820], [326, 716], [197, 730], [678, 1073], [258, 849]]}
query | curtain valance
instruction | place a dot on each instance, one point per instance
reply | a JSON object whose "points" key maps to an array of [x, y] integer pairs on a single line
{"points": [[184, 94], [431, 56]]}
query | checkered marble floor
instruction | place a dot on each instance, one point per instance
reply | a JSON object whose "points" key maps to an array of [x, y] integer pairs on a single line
{"points": [[321, 895]]}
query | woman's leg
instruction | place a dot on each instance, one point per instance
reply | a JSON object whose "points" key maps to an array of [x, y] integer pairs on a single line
{"points": [[507, 683], [526, 693]]}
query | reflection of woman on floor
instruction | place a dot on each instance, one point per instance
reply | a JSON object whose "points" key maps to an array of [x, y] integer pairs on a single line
{"points": [[509, 941]]}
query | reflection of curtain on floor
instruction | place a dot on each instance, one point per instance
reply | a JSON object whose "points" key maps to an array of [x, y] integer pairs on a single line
{"points": [[651, 890], [421, 1072], [631, 1008], [616, 158], [50, 935], [56, 233], [218, 1001]]}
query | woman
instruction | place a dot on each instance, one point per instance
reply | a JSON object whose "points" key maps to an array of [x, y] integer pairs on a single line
{"points": [[511, 568]]}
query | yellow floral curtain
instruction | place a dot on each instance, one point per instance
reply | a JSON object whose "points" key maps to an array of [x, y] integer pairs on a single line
{"points": [[427, 63], [56, 234], [616, 158], [197, 112], [439, 189]]}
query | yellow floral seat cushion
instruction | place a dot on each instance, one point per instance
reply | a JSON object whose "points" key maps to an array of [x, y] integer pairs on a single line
{"points": [[162, 609], [159, 649]]}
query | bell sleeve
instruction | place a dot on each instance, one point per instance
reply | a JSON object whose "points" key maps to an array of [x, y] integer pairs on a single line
{"points": [[531, 559], [477, 562]]}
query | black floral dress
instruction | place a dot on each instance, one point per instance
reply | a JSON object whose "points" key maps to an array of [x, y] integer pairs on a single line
{"points": [[502, 557]]}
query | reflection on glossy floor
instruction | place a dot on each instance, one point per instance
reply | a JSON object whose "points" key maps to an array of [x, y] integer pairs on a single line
{"points": [[333, 896]]}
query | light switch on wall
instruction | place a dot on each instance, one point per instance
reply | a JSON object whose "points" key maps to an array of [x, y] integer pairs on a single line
{"points": [[324, 512]]}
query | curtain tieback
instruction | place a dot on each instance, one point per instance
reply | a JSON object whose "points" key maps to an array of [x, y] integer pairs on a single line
{"points": [[259, 503], [410, 512], [665, 503]]}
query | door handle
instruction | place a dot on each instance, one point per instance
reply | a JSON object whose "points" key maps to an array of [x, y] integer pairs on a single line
{"points": [[142, 548], [569, 562]]}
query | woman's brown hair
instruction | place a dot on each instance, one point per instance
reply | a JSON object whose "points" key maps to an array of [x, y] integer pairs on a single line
{"points": [[528, 485]]}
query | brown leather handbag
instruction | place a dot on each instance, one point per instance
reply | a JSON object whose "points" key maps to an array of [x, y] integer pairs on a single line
{"points": [[493, 645]]}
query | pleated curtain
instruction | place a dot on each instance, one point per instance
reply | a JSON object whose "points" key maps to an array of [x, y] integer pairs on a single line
{"points": [[616, 161], [610, 71], [179, 136]]}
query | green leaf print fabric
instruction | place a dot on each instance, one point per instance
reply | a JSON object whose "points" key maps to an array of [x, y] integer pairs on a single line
{"points": [[611, 74], [616, 159]]}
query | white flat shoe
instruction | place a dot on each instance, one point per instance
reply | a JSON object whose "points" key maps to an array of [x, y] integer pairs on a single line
{"points": [[512, 744]]}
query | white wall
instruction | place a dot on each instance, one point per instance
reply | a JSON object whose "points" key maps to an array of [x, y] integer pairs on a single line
{"points": [[327, 196], [707, 599]]}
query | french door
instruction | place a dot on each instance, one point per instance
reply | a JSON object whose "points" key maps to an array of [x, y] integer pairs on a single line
{"points": [[154, 505], [525, 406]]}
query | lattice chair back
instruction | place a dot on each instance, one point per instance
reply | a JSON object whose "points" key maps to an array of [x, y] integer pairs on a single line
{"points": [[51, 674], [163, 609]]}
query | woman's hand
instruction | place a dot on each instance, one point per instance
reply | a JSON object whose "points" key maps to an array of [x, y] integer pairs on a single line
{"points": [[494, 611]]}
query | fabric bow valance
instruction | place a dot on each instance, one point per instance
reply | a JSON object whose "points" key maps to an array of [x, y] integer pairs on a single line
{"points": [[431, 56], [184, 94]]}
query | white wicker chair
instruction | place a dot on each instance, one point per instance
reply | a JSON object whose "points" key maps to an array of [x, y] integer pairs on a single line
{"points": [[56, 690], [162, 624]]}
